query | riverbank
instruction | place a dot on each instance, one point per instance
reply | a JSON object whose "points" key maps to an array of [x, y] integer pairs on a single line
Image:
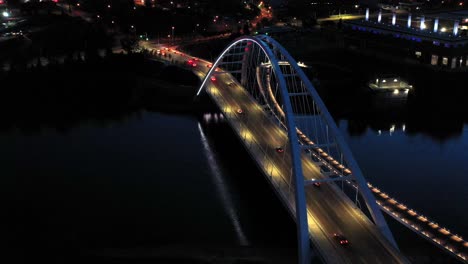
{"points": [[103, 88]]}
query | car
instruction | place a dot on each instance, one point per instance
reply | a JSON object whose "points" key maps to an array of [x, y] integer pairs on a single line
{"points": [[194, 64], [195, 59], [213, 79], [209, 65], [239, 111], [230, 83], [279, 149], [340, 239], [316, 184]]}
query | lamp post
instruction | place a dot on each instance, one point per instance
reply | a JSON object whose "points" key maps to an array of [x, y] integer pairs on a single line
{"points": [[172, 35]]}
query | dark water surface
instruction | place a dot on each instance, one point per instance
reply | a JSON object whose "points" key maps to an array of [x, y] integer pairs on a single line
{"points": [[150, 181]]}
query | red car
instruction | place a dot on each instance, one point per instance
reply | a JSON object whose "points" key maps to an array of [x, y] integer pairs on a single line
{"points": [[316, 184], [341, 239]]}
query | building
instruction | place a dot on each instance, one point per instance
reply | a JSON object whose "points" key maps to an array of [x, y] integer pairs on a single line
{"points": [[438, 39]]}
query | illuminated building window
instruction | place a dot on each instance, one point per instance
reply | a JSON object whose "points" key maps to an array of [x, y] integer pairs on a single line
{"points": [[445, 61], [418, 54], [454, 63], [434, 60]]}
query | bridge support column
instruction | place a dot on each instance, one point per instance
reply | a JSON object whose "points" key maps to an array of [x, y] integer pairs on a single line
{"points": [[455, 27], [244, 67], [302, 224]]}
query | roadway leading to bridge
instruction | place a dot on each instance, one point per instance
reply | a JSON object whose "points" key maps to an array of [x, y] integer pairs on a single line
{"points": [[329, 210]]}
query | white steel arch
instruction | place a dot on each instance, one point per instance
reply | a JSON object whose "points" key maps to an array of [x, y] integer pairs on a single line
{"points": [[283, 89]]}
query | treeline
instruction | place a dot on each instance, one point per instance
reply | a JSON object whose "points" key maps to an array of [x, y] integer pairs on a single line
{"points": [[64, 95], [54, 36]]}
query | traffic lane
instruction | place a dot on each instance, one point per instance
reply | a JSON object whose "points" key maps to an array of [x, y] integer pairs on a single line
{"points": [[361, 248], [312, 171], [360, 221], [284, 167], [279, 133], [257, 122], [326, 205]]}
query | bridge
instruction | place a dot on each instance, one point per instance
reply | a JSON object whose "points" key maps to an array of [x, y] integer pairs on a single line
{"points": [[287, 130]]}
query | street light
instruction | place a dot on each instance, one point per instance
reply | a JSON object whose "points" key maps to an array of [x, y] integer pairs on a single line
{"points": [[173, 34]]}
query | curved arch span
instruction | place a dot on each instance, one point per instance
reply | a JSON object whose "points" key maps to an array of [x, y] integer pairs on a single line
{"points": [[271, 77]]}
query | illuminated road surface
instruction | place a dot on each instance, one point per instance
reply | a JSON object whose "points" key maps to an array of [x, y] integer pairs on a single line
{"points": [[329, 210]]}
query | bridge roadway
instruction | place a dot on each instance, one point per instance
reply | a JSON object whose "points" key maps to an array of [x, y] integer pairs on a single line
{"points": [[451, 243], [329, 210]]}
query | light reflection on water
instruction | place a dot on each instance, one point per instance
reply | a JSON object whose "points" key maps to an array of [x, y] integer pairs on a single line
{"points": [[219, 182], [423, 172]]}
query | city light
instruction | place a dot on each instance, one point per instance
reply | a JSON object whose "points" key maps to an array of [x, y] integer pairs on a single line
{"points": [[244, 84]]}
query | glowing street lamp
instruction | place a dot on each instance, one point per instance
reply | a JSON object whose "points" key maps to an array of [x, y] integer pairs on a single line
{"points": [[173, 34]]}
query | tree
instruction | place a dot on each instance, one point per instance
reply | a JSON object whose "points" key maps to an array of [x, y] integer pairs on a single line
{"points": [[129, 44], [246, 29]]}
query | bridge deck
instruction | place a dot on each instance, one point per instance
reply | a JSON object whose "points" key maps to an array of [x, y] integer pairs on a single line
{"points": [[329, 211], [260, 134]]}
